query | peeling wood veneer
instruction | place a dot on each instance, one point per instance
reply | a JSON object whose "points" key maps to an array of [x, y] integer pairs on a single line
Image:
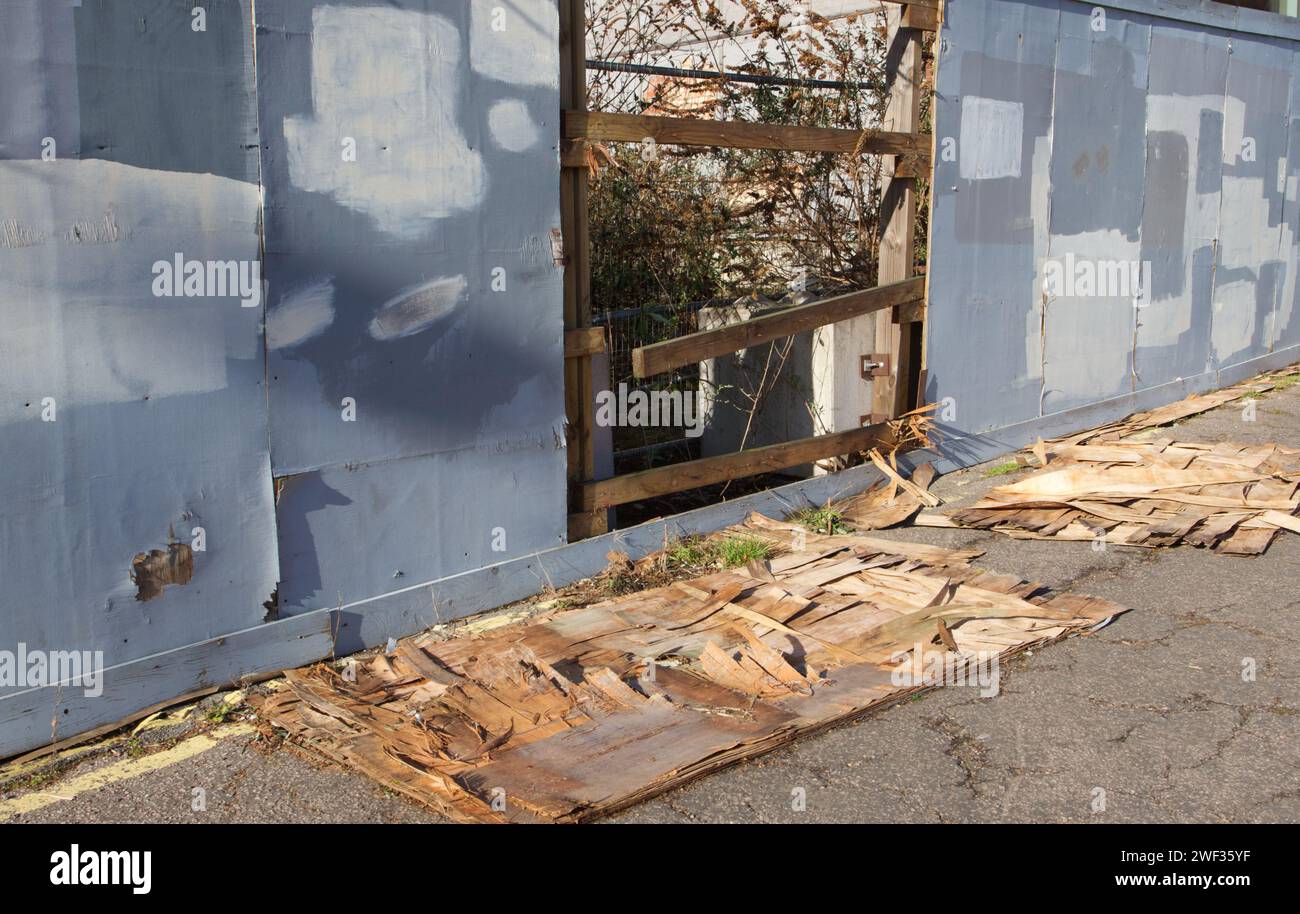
{"points": [[153, 570]]}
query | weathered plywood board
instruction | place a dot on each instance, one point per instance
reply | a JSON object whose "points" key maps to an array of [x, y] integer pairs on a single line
{"points": [[1180, 219], [573, 713], [988, 229], [1250, 272], [415, 334], [1095, 207], [132, 411]]}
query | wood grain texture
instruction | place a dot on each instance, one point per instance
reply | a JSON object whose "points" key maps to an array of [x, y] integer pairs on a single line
{"points": [[895, 393], [657, 358], [681, 477], [584, 342], [1227, 497], [600, 126], [568, 715]]}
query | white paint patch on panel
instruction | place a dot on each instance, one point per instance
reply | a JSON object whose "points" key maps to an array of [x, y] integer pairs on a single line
{"points": [[1247, 238], [80, 352], [992, 132], [1170, 315], [506, 42], [1040, 173], [512, 126], [388, 81], [1246, 243], [1089, 335], [302, 314], [417, 309], [1234, 128]]}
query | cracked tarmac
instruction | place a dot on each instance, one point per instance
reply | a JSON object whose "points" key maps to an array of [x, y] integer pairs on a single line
{"points": [[1149, 719]]}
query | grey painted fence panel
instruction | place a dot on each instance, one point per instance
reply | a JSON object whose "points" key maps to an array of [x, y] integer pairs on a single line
{"points": [[1287, 320], [1095, 204], [1170, 208], [38, 69], [993, 108], [129, 420], [1180, 220], [411, 177]]}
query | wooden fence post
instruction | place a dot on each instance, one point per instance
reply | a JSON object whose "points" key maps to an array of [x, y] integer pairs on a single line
{"points": [[896, 339]]}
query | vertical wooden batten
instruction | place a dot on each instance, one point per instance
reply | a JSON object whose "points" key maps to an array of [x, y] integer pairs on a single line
{"points": [[894, 390], [579, 388]]}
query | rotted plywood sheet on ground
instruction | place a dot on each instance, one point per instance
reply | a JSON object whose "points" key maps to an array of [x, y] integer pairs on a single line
{"points": [[578, 712], [135, 506], [1232, 498], [414, 325]]}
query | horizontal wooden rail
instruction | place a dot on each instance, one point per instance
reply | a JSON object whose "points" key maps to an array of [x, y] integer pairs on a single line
{"points": [[657, 358], [680, 477], [585, 341], [920, 16], [604, 126], [911, 313]]}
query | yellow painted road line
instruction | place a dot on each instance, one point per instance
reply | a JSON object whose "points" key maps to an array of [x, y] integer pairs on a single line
{"points": [[121, 771]]}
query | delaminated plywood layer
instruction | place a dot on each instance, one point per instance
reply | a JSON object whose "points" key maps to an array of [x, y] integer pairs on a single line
{"points": [[1158, 156], [578, 712]]}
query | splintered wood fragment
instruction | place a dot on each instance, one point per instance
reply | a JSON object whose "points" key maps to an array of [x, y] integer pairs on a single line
{"points": [[760, 569], [1278, 519], [712, 605], [787, 630], [946, 637], [934, 520], [921, 495], [1166, 415]]}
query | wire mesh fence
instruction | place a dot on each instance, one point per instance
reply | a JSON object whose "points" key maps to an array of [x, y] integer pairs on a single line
{"points": [[628, 328], [625, 330]]}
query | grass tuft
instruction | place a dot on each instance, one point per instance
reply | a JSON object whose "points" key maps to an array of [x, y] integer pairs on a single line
{"points": [[821, 520], [692, 552], [739, 550]]}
